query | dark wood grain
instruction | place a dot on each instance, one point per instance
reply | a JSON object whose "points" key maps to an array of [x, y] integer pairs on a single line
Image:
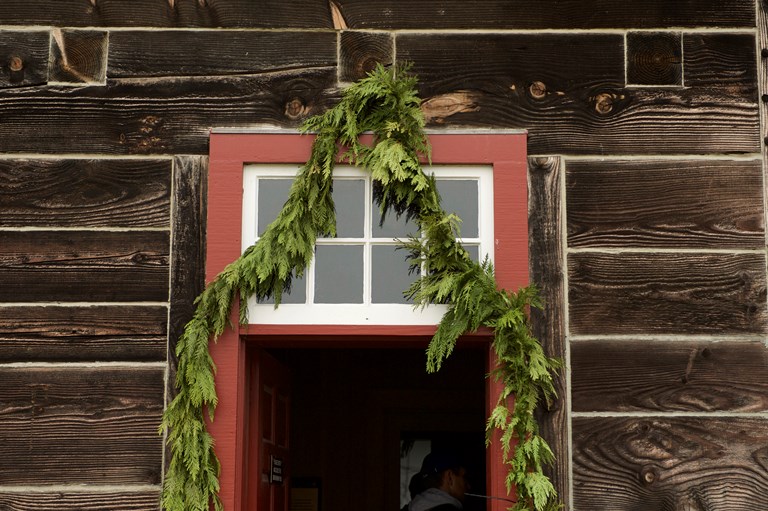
{"points": [[143, 53], [666, 293], [575, 101], [82, 334], [80, 501], [159, 116], [724, 61], [665, 203], [23, 57], [361, 51], [78, 56], [666, 376], [654, 58], [84, 266], [165, 13], [85, 193], [399, 14], [69, 426], [546, 270], [670, 464]]}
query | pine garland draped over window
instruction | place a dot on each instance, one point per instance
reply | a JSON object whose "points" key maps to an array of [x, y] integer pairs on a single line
{"points": [[384, 103]]}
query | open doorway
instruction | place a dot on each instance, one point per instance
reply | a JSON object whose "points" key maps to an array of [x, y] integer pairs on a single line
{"points": [[358, 416]]}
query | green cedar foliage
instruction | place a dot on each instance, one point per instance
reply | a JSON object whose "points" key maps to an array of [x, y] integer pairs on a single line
{"points": [[385, 104]]}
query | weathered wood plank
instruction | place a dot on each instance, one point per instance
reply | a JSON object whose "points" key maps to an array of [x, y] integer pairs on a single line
{"points": [[696, 463], [361, 51], [400, 14], [164, 13], [84, 266], [23, 57], [654, 58], [78, 56], [163, 115], [85, 193], [665, 376], [80, 501], [70, 426], [575, 101], [724, 61], [144, 53], [666, 293], [80, 334], [665, 203], [546, 269]]}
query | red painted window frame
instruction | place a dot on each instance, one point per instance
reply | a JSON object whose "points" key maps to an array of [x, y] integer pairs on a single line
{"points": [[229, 152]]}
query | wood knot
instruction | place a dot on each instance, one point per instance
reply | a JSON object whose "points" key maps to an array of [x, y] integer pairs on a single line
{"points": [[295, 108], [604, 103], [367, 65], [438, 108], [648, 475], [538, 90], [16, 63]]}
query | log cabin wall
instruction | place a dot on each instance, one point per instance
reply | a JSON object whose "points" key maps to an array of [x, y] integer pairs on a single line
{"points": [[646, 215]]}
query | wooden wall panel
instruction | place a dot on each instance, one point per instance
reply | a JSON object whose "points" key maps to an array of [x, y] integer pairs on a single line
{"points": [[359, 52], [85, 193], [669, 376], [23, 57], [82, 333], [144, 53], [548, 323], [84, 266], [573, 102], [569, 14], [157, 116], [80, 501], [165, 13], [69, 426], [691, 463], [665, 203], [721, 61], [666, 293]]}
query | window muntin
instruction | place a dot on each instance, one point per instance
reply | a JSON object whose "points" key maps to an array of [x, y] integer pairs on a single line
{"points": [[358, 277]]}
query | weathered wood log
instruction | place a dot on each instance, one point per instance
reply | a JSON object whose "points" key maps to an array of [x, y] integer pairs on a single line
{"points": [[665, 464], [666, 293], [84, 266], [79, 500], [400, 14], [654, 58], [166, 13], [85, 193], [669, 376], [665, 203], [78, 56], [23, 57], [361, 51], [575, 101], [83, 334], [145, 53], [162, 115], [69, 426], [546, 269]]}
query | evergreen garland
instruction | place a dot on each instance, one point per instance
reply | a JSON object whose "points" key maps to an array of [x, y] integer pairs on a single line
{"points": [[386, 104]]}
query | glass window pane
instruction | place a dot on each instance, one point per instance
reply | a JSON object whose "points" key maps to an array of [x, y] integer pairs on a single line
{"points": [[339, 274], [272, 195], [459, 196], [392, 227], [389, 275], [474, 252], [297, 294], [349, 198]]}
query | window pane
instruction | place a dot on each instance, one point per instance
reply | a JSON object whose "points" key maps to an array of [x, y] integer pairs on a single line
{"points": [[474, 252], [392, 227], [297, 294], [349, 198], [339, 274], [272, 195], [459, 196], [389, 275]]}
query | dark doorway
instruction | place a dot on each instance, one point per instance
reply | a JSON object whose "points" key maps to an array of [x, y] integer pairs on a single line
{"points": [[353, 410]]}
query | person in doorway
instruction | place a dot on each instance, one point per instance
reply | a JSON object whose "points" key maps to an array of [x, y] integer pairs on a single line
{"points": [[444, 483]]}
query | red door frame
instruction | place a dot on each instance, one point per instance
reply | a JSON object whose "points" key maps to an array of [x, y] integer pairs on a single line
{"points": [[229, 152]]}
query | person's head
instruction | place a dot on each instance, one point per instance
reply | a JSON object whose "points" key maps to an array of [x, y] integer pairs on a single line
{"points": [[443, 470]]}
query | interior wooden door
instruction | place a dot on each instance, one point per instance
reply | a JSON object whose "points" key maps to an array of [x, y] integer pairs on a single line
{"points": [[268, 439]]}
